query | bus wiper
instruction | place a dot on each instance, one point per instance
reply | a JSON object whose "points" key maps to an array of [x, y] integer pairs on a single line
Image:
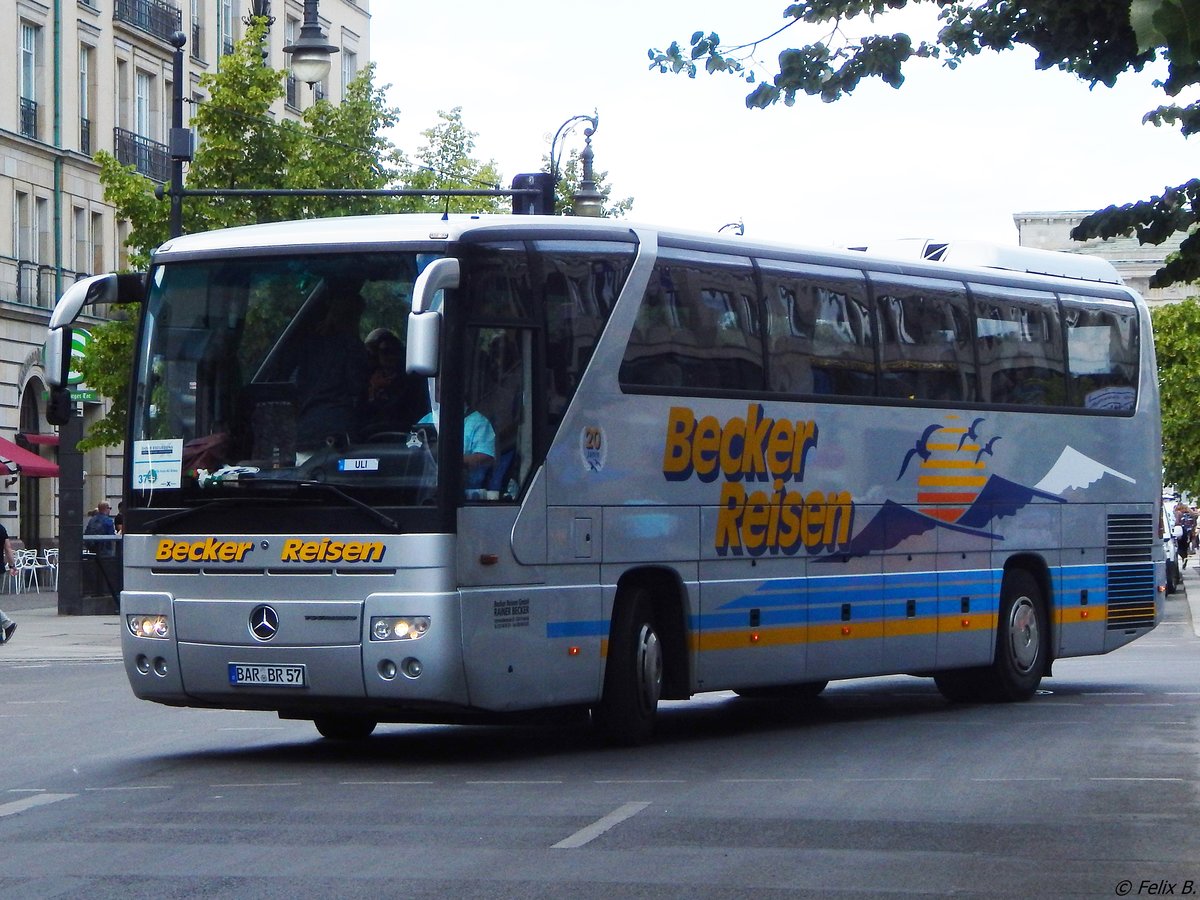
{"points": [[353, 501], [154, 524]]}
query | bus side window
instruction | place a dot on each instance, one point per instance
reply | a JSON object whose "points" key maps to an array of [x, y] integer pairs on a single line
{"points": [[1021, 349], [925, 343], [1102, 351]]}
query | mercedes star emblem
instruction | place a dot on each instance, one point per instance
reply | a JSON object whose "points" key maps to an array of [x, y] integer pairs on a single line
{"points": [[264, 623]]}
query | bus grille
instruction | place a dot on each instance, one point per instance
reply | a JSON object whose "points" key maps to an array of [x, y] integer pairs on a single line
{"points": [[1130, 539], [1131, 588]]}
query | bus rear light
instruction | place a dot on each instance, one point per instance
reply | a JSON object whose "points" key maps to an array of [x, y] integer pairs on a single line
{"points": [[154, 627], [398, 628]]}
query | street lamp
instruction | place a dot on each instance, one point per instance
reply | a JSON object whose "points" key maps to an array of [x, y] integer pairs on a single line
{"points": [[587, 201], [312, 53]]}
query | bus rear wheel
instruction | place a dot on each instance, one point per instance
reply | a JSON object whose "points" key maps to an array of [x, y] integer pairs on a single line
{"points": [[344, 728], [633, 674], [1021, 649]]}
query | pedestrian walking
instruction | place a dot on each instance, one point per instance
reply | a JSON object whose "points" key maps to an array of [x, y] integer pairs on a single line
{"points": [[7, 626]]}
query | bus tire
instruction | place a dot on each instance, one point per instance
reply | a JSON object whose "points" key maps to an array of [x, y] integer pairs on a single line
{"points": [[1021, 638], [1020, 658], [962, 685], [344, 728], [802, 692], [633, 674]]}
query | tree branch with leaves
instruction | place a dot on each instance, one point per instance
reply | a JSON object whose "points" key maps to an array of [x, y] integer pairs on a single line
{"points": [[1096, 40]]}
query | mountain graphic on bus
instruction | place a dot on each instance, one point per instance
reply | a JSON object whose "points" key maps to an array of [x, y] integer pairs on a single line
{"points": [[895, 523], [954, 493]]}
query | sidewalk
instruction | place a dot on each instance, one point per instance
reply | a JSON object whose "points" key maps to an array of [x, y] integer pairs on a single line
{"points": [[43, 635]]}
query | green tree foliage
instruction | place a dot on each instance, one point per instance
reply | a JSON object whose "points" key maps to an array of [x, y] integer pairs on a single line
{"points": [[445, 162], [1096, 40], [1177, 344]]}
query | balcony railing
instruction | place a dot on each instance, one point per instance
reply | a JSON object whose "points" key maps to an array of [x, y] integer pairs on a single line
{"points": [[29, 117], [150, 158], [85, 136], [151, 16]]}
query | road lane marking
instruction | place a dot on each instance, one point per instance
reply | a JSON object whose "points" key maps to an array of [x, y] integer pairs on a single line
{"points": [[18, 806], [597, 828]]}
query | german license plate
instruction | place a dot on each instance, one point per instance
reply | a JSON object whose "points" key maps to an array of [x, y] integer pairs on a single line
{"points": [[266, 676]]}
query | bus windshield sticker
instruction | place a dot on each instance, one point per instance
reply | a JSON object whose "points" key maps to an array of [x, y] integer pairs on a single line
{"points": [[157, 464]]}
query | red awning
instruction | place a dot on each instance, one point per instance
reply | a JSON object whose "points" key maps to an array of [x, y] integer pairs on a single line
{"points": [[14, 460], [39, 437]]}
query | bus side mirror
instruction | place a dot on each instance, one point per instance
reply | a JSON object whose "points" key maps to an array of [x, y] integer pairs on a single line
{"points": [[425, 321], [58, 358]]}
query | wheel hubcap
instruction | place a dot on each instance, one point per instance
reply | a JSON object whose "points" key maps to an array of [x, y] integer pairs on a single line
{"points": [[1023, 636], [649, 666]]}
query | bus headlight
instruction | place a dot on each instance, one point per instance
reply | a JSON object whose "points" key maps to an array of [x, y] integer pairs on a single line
{"points": [[155, 627], [398, 628]]}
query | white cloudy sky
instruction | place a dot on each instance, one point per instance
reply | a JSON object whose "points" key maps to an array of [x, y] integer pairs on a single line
{"points": [[950, 155]]}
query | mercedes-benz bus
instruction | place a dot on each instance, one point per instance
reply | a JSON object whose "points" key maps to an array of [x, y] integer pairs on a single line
{"points": [[613, 464]]}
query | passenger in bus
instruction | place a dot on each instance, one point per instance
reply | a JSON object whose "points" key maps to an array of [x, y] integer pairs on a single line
{"points": [[395, 399], [331, 376], [479, 444]]}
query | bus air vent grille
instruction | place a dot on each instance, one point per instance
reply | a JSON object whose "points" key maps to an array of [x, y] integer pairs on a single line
{"points": [[1131, 597], [1130, 538]]}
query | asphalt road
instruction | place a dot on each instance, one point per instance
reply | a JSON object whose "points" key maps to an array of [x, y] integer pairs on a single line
{"points": [[880, 789]]}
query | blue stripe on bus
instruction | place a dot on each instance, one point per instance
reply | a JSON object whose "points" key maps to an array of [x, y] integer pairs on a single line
{"points": [[876, 597]]}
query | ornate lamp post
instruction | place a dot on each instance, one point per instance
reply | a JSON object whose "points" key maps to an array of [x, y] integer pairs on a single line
{"points": [[312, 54], [587, 201]]}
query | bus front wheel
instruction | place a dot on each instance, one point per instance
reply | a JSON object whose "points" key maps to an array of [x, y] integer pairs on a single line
{"points": [[633, 673], [344, 728]]}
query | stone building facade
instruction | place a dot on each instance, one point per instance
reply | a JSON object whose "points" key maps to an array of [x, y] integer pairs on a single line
{"points": [[83, 76], [1135, 262]]}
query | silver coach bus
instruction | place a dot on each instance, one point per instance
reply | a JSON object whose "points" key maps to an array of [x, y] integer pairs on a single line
{"points": [[411, 468]]}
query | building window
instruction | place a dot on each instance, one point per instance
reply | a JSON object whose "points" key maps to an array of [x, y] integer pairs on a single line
{"points": [[96, 241], [86, 90], [225, 27], [197, 32], [143, 86], [349, 68], [30, 35]]}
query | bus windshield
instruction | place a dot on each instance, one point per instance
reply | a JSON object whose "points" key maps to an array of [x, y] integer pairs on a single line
{"points": [[259, 372]]}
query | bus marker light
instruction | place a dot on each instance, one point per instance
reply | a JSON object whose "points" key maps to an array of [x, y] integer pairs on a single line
{"points": [[754, 637], [845, 630], [488, 559], [1083, 614], [572, 651], [966, 623]]}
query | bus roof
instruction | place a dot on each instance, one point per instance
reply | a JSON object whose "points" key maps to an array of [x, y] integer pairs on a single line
{"points": [[384, 230], [981, 255]]}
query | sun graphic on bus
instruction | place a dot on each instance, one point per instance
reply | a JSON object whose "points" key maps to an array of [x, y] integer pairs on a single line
{"points": [[951, 463]]}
